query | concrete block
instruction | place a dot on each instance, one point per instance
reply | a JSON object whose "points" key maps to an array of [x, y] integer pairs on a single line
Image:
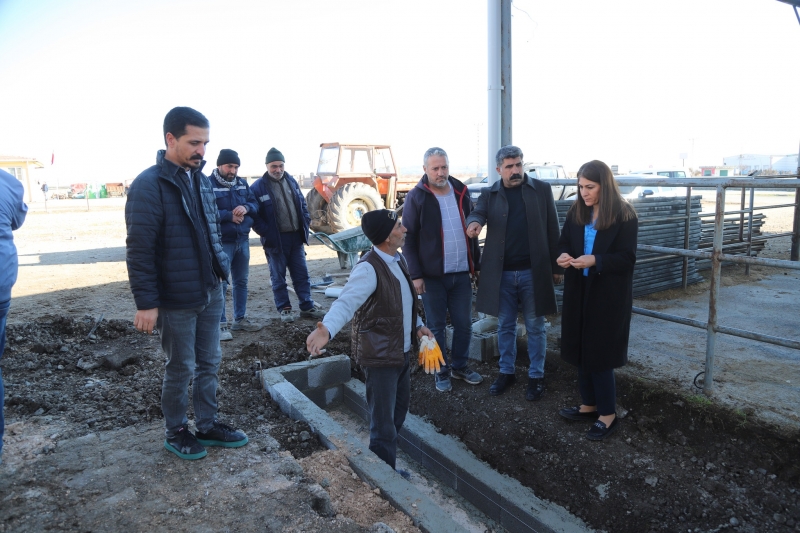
{"points": [[483, 345], [325, 397], [322, 372]]}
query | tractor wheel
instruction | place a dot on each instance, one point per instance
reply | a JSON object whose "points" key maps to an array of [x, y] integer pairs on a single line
{"points": [[318, 209], [349, 204]]}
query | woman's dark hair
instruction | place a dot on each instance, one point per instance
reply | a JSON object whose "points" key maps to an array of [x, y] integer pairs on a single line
{"points": [[612, 207], [179, 117]]}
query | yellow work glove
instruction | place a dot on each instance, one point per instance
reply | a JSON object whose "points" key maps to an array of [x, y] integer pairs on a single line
{"points": [[430, 355]]}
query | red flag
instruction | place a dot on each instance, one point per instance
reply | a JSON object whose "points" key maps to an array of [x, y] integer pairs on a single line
{"points": [[53, 157]]}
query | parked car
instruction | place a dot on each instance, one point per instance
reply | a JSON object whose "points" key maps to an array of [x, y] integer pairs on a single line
{"points": [[666, 172], [642, 191], [534, 170]]}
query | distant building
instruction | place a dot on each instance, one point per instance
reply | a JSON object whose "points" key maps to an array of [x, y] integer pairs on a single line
{"points": [[20, 168], [719, 172], [768, 164]]}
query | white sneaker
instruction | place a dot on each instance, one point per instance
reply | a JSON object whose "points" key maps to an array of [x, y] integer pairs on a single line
{"points": [[225, 332], [286, 315]]}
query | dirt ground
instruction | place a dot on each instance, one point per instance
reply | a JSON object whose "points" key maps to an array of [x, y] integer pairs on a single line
{"points": [[83, 446]]}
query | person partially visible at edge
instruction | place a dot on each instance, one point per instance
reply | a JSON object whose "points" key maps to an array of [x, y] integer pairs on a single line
{"points": [[519, 265], [380, 299], [442, 261], [176, 266], [237, 206], [282, 223], [12, 216], [598, 250]]}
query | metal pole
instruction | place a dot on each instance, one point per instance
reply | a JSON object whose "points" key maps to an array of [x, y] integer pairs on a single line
{"points": [[495, 87], [686, 228], [505, 73], [716, 273], [750, 229], [795, 254]]}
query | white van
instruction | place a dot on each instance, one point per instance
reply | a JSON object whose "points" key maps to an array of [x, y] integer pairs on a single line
{"points": [[643, 191], [674, 172]]}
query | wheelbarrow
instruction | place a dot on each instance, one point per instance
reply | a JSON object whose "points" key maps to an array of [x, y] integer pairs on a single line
{"points": [[347, 244]]}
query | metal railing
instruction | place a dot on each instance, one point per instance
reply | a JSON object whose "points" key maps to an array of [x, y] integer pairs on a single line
{"points": [[716, 254]]}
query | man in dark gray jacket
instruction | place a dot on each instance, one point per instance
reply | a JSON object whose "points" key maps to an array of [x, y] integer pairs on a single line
{"points": [[175, 267], [518, 265]]}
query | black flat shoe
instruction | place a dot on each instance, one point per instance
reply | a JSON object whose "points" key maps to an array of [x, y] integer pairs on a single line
{"points": [[574, 413], [599, 431]]}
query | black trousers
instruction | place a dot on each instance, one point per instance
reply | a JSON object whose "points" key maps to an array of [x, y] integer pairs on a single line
{"points": [[388, 398]]}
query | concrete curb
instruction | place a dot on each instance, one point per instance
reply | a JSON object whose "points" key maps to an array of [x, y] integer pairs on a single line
{"points": [[500, 497], [303, 390], [402, 494]]}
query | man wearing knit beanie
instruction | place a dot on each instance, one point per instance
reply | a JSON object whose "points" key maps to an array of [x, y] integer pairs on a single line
{"points": [[282, 223], [385, 329], [237, 206]]}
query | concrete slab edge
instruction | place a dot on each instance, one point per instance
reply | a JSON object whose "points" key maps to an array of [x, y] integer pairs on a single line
{"points": [[401, 494], [502, 498]]}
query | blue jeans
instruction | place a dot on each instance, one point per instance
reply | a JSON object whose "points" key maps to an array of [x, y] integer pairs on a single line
{"points": [[4, 306], [388, 398], [190, 339], [291, 255], [517, 287], [239, 255], [453, 293], [600, 389]]}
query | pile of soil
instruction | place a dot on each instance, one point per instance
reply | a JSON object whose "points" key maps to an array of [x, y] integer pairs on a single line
{"points": [[83, 397], [678, 463]]}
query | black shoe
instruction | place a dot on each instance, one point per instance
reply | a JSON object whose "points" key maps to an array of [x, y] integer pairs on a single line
{"points": [[185, 445], [535, 389], [502, 382], [574, 413], [222, 435], [599, 431]]}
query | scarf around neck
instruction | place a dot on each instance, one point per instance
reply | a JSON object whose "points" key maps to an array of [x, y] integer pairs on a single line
{"points": [[222, 181]]}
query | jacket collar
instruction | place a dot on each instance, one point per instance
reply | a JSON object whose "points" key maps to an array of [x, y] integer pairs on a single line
{"points": [[169, 168], [458, 187], [530, 182]]}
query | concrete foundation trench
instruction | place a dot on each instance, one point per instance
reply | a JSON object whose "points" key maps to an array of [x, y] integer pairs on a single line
{"points": [[322, 393]]}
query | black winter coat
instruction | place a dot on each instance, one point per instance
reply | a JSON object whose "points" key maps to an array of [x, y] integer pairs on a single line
{"points": [[169, 265], [542, 221], [595, 325], [422, 217]]}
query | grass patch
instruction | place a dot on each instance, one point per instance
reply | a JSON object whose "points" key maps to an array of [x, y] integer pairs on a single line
{"points": [[698, 400]]}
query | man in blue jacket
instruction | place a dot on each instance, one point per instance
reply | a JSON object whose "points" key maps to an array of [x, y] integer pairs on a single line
{"points": [[282, 223], [237, 206], [12, 215], [442, 261], [176, 266]]}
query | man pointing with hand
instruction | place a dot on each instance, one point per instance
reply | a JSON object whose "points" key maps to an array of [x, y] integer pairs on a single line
{"points": [[381, 300]]}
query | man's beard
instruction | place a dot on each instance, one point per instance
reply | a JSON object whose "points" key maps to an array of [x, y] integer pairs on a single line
{"points": [[279, 176], [440, 185], [515, 177]]}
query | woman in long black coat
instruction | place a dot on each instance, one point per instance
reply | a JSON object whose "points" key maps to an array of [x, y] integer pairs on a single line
{"points": [[597, 249]]}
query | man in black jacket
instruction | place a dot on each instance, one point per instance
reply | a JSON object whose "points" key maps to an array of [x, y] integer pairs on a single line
{"points": [[519, 265], [175, 267], [442, 260]]}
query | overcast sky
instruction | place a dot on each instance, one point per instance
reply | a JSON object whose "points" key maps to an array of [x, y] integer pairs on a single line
{"points": [[634, 83]]}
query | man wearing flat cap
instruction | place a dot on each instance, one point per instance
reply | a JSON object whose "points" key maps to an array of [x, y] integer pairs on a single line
{"points": [[380, 299], [237, 205], [282, 223]]}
